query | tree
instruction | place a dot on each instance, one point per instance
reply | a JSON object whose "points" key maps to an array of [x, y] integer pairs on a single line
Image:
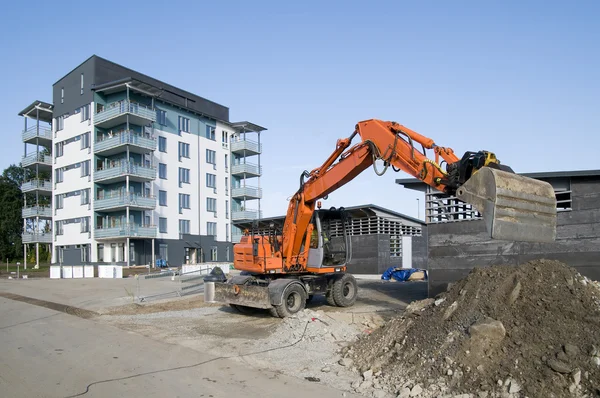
{"points": [[11, 222], [16, 174]]}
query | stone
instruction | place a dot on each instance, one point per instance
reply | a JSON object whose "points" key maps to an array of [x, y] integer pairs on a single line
{"points": [[571, 350], [559, 366], [596, 361], [365, 385], [572, 388], [379, 394], [420, 305], [449, 372], [562, 356], [482, 394], [346, 362], [480, 368], [416, 391], [439, 301], [514, 294], [576, 377], [404, 393], [488, 329], [368, 375], [514, 387], [326, 369], [450, 310], [500, 383], [355, 384]]}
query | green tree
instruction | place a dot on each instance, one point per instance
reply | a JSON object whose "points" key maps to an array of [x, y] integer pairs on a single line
{"points": [[11, 222]]}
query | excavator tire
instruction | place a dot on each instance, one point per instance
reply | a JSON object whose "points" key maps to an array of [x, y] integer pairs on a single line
{"points": [[345, 291], [293, 301], [330, 299]]}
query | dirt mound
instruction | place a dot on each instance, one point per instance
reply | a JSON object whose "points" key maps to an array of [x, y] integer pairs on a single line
{"points": [[505, 331]]}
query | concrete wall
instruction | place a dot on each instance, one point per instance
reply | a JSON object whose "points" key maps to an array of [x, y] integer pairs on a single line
{"points": [[371, 254], [455, 248]]}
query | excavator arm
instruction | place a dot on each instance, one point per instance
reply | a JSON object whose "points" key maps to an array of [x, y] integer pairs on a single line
{"points": [[514, 207]]}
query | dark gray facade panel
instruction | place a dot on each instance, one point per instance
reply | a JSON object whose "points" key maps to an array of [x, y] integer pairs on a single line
{"points": [[71, 84], [419, 250], [176, 248]]}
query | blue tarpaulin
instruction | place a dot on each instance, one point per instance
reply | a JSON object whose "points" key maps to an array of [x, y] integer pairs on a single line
{"points": [[400, 274]]}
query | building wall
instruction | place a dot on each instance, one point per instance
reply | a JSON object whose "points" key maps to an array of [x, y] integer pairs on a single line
{"points": [[456, 248]]}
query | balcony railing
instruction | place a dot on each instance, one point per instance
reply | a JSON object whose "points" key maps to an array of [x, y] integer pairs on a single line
{"points": [[245, 215], [246, 145], [116, 109], [246, 168], [37, 211], [32, 185], [124, 138], [146, 202], [35, 237], [123, 169], [126, 231], [33, 132], [36, 157], [247, 191]]}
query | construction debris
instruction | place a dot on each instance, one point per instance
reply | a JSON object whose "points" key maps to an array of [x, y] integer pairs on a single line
{"points": [[504, 331]]}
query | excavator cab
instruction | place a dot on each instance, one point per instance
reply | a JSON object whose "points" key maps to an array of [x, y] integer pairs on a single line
{"points": [[329, 242]]}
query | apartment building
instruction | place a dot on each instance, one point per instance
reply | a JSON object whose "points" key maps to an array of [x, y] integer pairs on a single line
{"points": [[140, 170]]}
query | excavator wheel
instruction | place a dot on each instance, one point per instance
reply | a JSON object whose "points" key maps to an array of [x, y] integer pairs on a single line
{"points": [[293, 301], [345, 291]]}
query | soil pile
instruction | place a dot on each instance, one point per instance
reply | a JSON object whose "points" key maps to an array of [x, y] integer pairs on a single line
{"points": [[504, 331]]}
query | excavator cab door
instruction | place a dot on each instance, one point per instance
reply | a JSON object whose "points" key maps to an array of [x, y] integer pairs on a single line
{"points": [[329, 243]]}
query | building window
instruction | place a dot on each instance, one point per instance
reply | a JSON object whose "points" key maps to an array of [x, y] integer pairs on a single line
{"points": [[226, 186], [227, 234], [59, 175], [184, 201], [211, 228], [162, 225], [163, 252], [211, 180], [213, 253], [162, 198], [210, 133], [81, 86], [184, 150], [85, 196], [162, 171], [227, 209], [59, 149], [60, 123], [85, 112], [161, 117], [227, 254], [226, 162], [224, 137], [211, 157], [59, 201], [85, 140], [184, 226], [131, 252], [162, 144], [85, 168], [184, 124], [84, 224], [100, 252], [211, 204], [62, 95], [147, 220], [184, 176]]}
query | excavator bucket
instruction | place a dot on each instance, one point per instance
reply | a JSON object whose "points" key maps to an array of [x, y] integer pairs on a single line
{"points": [[514, 207]]}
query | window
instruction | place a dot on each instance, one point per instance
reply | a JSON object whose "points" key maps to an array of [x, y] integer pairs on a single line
{"points": [[59, 175], [59, 201], [132, 252], [213, 253], [226, 186], [147, 220], [184, 176], [85, 168], [162, 171], [161, 117], [211, 204], [85, 140], [210, 133], [184, 226], [163, 252], [59, 227], [62, 95], [85, 112], [226, 162], [211, 228], [100, 252], [184, 150], [211, 180], [81, 87], [211, 157], [227, 234], [227, 209], [85, 196], [224, 137], [184, 201], [184, 124], [162, 144], [162, 198], [60, 123], [85, 224], [227, 254], [59, 148], [162, 225]]}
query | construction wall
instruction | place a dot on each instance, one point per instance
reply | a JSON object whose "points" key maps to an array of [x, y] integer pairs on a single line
{"points": [[457, 247]]}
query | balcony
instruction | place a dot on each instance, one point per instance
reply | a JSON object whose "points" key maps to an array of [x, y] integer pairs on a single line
{"points": [[35, 135], [246, 147], [44, 162], [118, 172], [236, 238], [116, 113], [246, 192], [245, 215], [41, 186], [135, 202], [247, 169], [37, 211], [36, 237], [118, 143], [126, 231]]}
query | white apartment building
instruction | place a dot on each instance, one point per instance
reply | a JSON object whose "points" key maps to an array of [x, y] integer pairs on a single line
{"points": [[138, 170]]}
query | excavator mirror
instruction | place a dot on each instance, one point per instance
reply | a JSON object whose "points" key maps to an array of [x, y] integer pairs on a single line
{"points": [[319, 204]]}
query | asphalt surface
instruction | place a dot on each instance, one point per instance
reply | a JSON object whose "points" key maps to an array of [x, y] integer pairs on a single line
{"points": [[48, 352]]}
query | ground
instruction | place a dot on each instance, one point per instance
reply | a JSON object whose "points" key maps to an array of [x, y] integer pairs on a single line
{"points": [[90, 330]]}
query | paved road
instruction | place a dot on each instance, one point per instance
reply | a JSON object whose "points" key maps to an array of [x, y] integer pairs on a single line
{"points": [[47, 353]]}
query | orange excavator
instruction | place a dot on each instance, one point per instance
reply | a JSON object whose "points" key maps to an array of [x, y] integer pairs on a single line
{"points": [[283, 268]]}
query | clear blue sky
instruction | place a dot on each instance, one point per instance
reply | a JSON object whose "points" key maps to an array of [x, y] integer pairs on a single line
{"points": [[517, 78]]}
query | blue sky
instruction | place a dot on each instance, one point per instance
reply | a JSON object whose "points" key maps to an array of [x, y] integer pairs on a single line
{"points": [[516, 78]]}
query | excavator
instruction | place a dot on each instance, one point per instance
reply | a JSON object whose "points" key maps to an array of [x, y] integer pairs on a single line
{"points": [[283, 268]]}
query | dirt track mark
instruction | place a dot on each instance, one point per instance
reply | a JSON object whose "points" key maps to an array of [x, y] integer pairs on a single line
{"points": [[67, 309]]}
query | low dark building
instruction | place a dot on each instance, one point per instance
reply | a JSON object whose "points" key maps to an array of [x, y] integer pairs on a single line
{"points": [[380, 238], [457, 239]]}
